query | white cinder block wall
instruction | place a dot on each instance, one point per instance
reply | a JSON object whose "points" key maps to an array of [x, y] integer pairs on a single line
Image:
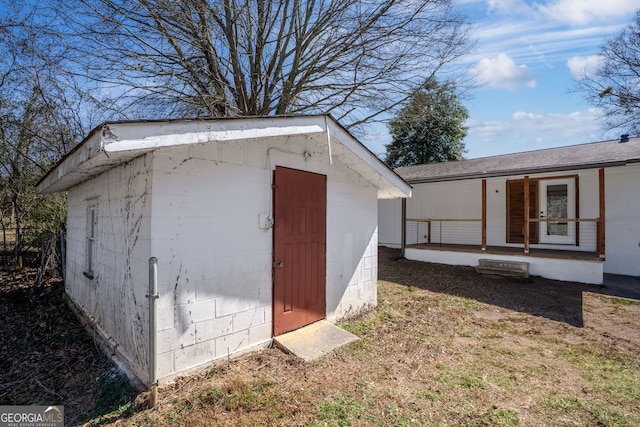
{"points": [[352, 246], [114, 299], [214, 261]]}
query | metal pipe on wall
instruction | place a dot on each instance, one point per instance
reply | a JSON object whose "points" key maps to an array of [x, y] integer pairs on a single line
{"points": [[153, 296], [403, 235]]}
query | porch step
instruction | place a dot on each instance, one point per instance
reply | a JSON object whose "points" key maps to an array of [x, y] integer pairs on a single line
{"points": [[503, 268]]}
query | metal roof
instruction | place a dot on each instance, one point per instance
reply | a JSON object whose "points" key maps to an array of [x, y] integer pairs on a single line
{"points": [[583, 156]]}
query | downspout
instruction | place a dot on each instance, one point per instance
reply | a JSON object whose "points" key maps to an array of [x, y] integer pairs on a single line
{"points": [[326, 124], [403, 233], [153, 296]]}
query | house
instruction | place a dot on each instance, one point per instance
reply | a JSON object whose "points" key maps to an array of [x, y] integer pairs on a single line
{"points": [[572, 213], [195, 240]]}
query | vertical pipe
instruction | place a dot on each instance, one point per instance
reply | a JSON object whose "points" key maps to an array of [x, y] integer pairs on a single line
{"points": [[601, 216], [484, 214], [153, 295], [527, 226], [577, 223], [403, 238], [326, 123]]}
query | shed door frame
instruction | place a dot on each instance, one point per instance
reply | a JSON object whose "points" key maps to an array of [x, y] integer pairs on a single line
{"points": [[299, 249]]}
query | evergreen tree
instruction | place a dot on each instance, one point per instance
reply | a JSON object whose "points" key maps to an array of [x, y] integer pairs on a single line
{"points": [[429, 129]]}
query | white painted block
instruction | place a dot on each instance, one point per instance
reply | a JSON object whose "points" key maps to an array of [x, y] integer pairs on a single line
{"points": [[211, 329], [226, 306], [194, 355], [248, 319], [202, 310], [164, 364], [174, 339], [165, 318], [232, 343], [260, 333]]}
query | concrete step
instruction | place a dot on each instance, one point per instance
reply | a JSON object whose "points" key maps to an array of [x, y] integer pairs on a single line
{"points": [[503, 268], [314, 341]]}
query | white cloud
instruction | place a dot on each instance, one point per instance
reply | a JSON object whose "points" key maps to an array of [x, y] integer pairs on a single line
{"points": [[558, 125], [508, 7], [583, 66], [582, 12], [501, 72], [525, 131]]}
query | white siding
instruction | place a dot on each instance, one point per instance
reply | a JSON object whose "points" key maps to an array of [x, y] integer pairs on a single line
{"points": [[496, 211], [115, 298], [446, 200], [214, 261], [622, 186], [390, 222]]}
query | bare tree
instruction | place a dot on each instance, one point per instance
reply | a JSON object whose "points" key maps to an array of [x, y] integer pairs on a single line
{"points": [[355, 59], [614, 85], [40, 120]]}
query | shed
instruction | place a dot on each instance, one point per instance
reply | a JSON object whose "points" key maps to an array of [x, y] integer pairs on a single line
{"points": [[252, 226]]}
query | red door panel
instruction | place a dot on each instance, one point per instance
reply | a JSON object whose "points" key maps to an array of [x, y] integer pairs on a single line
{"points": [[299, 249]]}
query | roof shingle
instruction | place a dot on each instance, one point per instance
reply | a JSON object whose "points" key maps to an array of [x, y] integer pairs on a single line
{"points": [[595, 154]]}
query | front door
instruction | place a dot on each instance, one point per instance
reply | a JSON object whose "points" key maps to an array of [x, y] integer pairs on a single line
{"points": [[299, 249], [557, 201]]}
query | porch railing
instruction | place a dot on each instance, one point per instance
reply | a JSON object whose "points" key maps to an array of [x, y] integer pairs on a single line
{"points": [[466, 231], [472, 231]]}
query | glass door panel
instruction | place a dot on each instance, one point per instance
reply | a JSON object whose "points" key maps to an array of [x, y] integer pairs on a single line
{"points": [[557, 201]]}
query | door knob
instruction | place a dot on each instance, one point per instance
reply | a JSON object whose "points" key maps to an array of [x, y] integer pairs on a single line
{"points": [[278, 264]]}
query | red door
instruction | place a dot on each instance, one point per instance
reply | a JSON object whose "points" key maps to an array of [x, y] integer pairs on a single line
{"points": [[299, 249]]}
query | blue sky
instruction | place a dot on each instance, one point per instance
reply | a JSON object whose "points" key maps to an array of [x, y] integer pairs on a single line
{"points": [[527, 58]]}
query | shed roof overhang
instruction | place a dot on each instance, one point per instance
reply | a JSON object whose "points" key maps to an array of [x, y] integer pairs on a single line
{"points": [[115, 143]]}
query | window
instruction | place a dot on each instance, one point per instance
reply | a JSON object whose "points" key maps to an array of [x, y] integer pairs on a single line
{"points": [[91, 241]]}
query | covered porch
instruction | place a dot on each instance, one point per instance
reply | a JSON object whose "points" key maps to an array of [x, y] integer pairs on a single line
{"points": [[578, 256]]}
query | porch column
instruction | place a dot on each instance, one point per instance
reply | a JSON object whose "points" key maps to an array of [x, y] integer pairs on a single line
{"points": [[526, 215], [601, 219], [484, 214]]}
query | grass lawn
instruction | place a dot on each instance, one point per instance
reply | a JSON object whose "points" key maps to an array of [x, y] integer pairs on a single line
{"points": [[445, 347]]}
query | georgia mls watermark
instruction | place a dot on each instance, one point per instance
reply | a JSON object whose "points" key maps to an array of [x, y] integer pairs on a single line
{"points": [[32, 416]]}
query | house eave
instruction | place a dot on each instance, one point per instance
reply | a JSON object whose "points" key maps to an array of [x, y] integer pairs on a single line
{"points": [[521, 172]]}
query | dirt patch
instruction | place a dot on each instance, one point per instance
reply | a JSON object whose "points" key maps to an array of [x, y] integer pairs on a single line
{"points": [[47, 357], [445, 346]]}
